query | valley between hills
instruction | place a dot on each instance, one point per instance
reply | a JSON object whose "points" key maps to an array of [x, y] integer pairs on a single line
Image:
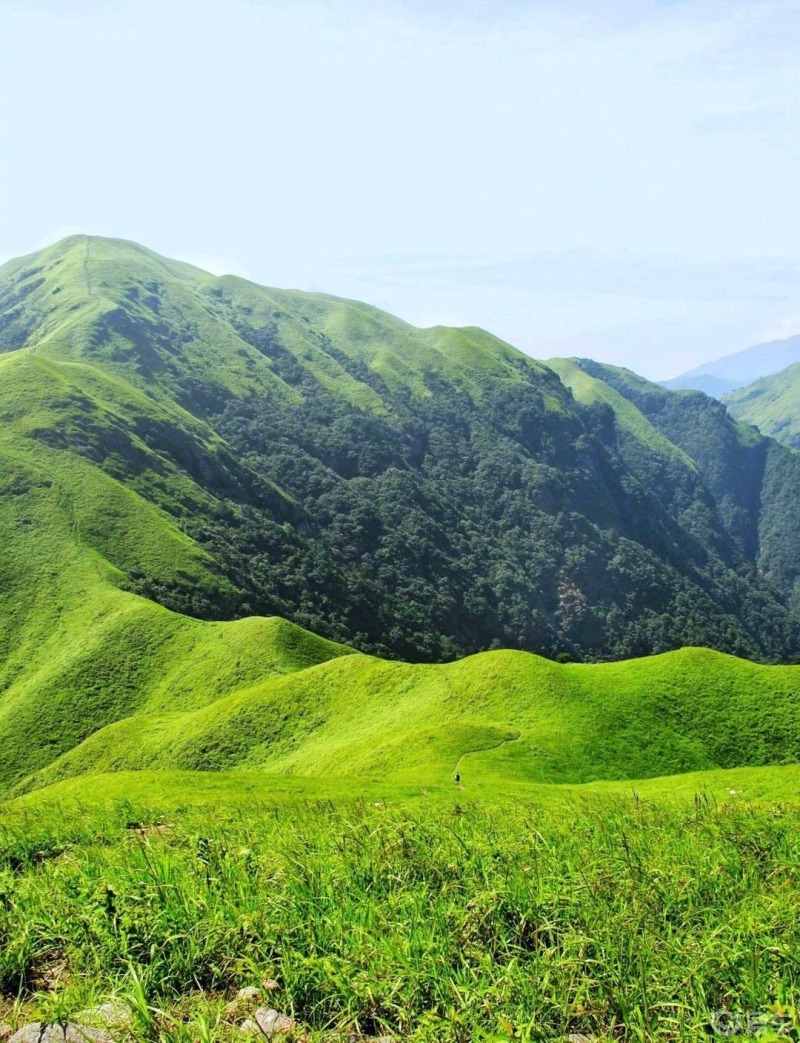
{"points": [[276, 566]]}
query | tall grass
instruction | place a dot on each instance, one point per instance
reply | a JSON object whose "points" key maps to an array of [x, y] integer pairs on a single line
{"points": [[631, 921]]}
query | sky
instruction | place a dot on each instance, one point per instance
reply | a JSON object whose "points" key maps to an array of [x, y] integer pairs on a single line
{"points": [[618, 180]]}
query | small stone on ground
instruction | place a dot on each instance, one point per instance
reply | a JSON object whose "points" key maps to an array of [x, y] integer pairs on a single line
{"points": [[247, 994], [269, 1022]]}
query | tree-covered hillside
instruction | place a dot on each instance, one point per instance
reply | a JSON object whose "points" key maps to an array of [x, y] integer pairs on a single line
{"points": [[417, 493], [753, 480]]}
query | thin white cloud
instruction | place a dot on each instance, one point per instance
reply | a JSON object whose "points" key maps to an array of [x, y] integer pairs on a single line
{"points": [[594, 273]]}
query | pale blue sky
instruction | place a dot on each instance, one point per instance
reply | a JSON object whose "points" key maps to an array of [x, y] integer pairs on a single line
{"points": [[621, 184]]}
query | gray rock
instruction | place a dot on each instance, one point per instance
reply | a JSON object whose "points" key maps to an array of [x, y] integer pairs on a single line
{"points": [[249, 994], [246, 999], [268, 1022], [353, 1038], [39, 1032]]}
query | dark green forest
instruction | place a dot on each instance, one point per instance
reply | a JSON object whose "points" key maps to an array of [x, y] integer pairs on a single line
{"points": [[452, 525]]}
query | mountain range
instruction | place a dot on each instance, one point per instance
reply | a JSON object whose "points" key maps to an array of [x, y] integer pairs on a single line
{"points": [[198, 471], [732, 372]]}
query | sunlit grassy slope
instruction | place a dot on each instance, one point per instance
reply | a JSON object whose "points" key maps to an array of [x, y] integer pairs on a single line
{"points": [[78, 652], [142, 313], [772, 404], [507, 718]]}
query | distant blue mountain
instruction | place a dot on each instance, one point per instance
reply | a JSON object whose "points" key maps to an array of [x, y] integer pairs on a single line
{"points": [[720, 377], [714, 387]]}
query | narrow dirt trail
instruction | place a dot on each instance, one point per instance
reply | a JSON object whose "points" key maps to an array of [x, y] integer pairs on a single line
{"points": [[486, 749]]}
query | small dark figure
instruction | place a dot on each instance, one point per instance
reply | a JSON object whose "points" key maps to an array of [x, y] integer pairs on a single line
{"points": [[457, 777]]}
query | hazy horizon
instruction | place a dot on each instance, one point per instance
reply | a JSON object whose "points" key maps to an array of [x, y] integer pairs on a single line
{"points": [[618, 185]]}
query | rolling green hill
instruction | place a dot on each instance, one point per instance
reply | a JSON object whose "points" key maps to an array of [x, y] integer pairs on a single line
{"points": [[772, 404], [504, 717]]}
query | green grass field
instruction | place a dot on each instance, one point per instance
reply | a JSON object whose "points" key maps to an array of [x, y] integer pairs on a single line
{"points": [[585, 909]]}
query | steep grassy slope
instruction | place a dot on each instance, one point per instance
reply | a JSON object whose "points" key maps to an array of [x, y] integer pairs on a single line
{"points": [[772, 404], [77, 652], [179, 332]]}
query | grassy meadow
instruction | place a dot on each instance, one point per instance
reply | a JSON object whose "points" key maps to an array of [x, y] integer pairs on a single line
{"points": [[589, 910]]}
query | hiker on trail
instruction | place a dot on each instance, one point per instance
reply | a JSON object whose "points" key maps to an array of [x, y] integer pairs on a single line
{"points": [[457, 777]]}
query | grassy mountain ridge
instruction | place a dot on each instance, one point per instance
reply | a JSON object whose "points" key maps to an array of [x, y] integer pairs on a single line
{"points": [[517, 717], [772, 404], [147, 318]]}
